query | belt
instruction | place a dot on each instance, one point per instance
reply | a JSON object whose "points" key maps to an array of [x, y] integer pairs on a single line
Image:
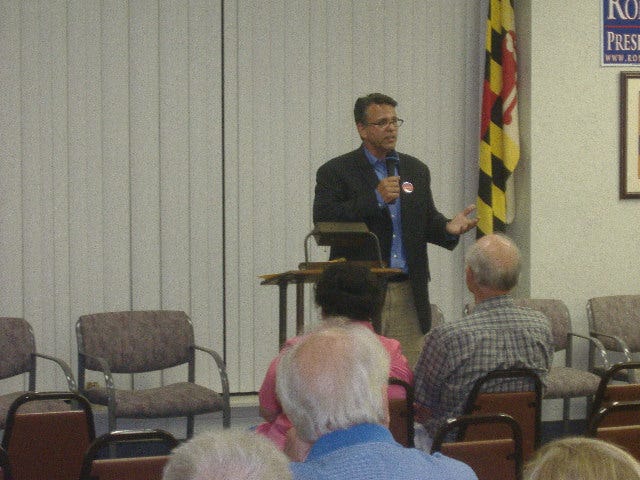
{"points": [[400, 277]]}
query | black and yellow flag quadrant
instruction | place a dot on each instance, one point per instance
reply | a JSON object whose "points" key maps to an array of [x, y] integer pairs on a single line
{"points": [[499, 137]]}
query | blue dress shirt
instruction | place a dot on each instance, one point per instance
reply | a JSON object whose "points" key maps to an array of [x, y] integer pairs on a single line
{"points": [[368, 451], [398, 258]]}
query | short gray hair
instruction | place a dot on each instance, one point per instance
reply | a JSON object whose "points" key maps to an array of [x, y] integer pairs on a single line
{"points": [[495, 263], [334, 378], [227, 455]]}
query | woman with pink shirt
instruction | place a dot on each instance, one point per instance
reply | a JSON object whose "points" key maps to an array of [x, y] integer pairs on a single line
{"points": [[344, 291]]}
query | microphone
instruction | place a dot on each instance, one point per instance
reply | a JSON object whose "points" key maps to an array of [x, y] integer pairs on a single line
{"points": [[391, 166], [391, 169]]}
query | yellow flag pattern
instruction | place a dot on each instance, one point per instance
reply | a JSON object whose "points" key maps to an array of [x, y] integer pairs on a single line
{"points": [[499, 137]]}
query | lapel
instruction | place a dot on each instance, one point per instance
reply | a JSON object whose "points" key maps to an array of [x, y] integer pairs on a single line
{"points": [[365, 169]]}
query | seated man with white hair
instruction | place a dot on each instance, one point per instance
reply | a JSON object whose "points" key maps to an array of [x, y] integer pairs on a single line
{"points": [[332, 386], [227, 455]]}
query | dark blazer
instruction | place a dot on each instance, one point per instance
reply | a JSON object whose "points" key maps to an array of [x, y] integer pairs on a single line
{"points": [[345, 192]]}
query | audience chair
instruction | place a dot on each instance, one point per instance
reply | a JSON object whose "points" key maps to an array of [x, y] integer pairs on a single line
{"points": [[5, 467], [18, 356], [491, 457], [401, 415], [608, 393], [128, 454], [515, 392], [625, 431], [615, 320], [48, 445], [565, 382], [145, 341]]}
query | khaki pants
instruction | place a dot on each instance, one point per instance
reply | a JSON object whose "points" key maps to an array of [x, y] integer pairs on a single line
{"points": [[399, 320]]}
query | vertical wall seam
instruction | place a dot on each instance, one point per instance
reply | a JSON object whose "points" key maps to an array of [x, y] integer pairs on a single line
{"points": [[222, 180]]}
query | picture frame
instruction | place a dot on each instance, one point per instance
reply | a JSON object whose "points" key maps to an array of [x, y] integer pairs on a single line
{"points": [[630, 134]]}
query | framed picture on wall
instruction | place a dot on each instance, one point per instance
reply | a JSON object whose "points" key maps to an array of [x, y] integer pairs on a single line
{"points": [[630, 135]]}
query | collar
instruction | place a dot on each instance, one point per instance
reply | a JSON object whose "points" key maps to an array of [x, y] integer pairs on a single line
{"points": [[494, 302], [373, 159], [365, 323], [363, 433]]}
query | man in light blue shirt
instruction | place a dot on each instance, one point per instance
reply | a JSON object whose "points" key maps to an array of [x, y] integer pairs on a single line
{"points": [[332, 386]]}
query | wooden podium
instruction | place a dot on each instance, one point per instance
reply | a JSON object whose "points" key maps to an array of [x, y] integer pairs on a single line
{"points": [[299, 278]]}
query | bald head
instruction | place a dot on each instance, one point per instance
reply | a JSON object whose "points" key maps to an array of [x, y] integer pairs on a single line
{"points": [[494, 264]]}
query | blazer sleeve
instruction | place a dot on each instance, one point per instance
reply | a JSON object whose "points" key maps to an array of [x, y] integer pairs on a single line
{"points": [[341, 194]]}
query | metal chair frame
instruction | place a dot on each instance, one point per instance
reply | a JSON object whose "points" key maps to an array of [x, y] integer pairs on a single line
{"points": [[110, 440], [477, 402], [474, 449], [106, 370], [404, 409]]}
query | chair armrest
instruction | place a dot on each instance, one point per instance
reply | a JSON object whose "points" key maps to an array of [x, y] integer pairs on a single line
{"points": [[222, 369], [621, 344], [597, 344], [108, 377], [224, 380], [71, 381]]}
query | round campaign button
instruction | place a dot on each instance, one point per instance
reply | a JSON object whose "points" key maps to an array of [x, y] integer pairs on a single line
{"points": [[407, 187]]}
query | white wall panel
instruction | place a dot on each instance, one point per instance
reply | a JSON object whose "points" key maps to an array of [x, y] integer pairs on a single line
{"points": [[144, 154], [144, 168], [11, 282], [174, 155], [116, 194], [31, 172], [60, 318], [11, 290], [205, 165]]}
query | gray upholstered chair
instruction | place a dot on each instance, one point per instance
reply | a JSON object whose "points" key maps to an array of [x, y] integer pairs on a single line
{"points": [[565, 382], [615, 320], [18, 356], [144, 341]]}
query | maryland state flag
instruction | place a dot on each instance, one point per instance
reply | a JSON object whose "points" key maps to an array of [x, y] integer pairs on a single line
{"points": [[499, 137]]}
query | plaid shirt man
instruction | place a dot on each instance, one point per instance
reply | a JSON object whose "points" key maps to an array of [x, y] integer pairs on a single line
{"points": [[497, 335]]}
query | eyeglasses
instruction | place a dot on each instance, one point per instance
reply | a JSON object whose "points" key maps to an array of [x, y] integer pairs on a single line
{"points": [[385, 122]]}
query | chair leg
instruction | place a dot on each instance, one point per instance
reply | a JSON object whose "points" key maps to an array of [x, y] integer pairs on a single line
{"points": [[190, 425], [226, 418], [112, 420], [566, 413]]}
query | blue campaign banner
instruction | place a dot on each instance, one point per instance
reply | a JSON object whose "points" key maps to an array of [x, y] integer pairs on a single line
{"points": [[620, 32]]}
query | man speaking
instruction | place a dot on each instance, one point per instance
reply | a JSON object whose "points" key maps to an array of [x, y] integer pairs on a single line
{"points": [[391, 193]]}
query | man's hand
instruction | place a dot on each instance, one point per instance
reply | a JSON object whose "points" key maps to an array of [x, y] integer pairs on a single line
{"points": [[461, 223], [389, 189]]}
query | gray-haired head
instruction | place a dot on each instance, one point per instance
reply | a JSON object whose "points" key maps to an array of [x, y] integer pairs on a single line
{"points": [[494, 261], [334, 378], [227, 455]]}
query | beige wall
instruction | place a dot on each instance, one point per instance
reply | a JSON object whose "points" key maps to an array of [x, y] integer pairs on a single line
{"points": [[582, 239], [77, 119]]}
